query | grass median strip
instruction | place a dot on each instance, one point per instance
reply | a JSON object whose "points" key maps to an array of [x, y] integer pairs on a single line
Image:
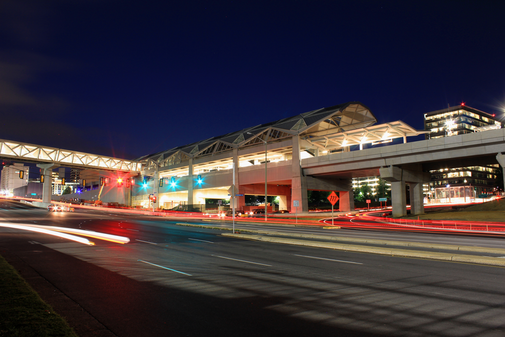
{"points": [[23, 312], [492, 261]]}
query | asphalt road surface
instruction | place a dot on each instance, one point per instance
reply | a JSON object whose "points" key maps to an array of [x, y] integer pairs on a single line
{"points": [[173, 280]]}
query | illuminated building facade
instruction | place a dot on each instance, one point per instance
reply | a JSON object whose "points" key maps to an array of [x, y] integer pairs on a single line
{"points": [[458, 120], [460, 184], [10, 178]]}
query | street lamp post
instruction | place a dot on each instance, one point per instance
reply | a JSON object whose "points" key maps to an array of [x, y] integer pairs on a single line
{"points": [[266, 203]]}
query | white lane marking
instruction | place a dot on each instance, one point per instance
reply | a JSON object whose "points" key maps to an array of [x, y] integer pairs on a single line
{"points": [[230, 258], [157, 265], [323, 258], [135, 230], [151, 243], [201, 240]]}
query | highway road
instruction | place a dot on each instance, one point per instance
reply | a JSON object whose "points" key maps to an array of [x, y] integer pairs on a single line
{"points": [[172, 280]]}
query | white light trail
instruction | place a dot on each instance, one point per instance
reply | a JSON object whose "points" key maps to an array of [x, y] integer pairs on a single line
{"points": [[58, 231], [92, 234], [49, 232]]}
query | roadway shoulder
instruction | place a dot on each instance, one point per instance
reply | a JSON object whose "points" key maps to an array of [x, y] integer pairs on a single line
{"points": [[485, 260]]}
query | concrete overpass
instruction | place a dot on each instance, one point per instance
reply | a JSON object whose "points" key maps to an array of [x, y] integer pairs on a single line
{"points": [[409, 163]]}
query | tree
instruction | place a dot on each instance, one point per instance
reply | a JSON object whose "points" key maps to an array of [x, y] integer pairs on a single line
{"points": [[366, 191], [357, 194], [362, 193], [382, 189], [67, 190]]}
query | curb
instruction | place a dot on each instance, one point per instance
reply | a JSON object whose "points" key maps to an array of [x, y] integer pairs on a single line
{"points": [[484, 260], [475, 249]]}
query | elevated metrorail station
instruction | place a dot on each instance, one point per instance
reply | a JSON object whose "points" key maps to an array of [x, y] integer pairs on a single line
{"points": [[265, 159], [319, 150]]}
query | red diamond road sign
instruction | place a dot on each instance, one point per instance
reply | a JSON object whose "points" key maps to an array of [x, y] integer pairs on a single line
{"points": [[333, 198]]}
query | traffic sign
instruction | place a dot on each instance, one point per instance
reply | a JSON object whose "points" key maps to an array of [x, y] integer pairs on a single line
{"points": [[333, 198], [233, 190], [368, 201]]}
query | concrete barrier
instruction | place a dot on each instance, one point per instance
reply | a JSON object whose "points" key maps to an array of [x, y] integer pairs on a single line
{"points": [[493, 261]]}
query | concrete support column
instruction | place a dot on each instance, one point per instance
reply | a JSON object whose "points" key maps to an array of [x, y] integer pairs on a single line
{"points": [[398, 198], [346, 201], [283, 202], [416, 199], [156, 187], [414, 175], [128, 193], [298, 181], [239, 201], [191, 183], [48, 181], [501, 160]]}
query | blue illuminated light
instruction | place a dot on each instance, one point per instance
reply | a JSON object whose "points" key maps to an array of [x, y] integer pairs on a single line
{"points": [[173, 182]]}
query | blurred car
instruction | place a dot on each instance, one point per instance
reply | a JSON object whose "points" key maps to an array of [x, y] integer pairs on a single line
{"points": [[257, 212], [58, 208], [230, 213]]}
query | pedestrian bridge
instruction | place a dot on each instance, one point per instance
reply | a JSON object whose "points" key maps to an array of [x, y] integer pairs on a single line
{"points": [[48, 158], [43, 154]]}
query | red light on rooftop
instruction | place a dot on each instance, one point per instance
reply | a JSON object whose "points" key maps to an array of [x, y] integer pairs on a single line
{"points": [[462, 103]]}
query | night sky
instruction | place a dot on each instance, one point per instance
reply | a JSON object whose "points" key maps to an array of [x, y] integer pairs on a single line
{"points": [[129, 78]]}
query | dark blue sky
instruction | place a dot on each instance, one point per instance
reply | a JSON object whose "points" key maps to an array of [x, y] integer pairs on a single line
{"points": [[129, 78]]}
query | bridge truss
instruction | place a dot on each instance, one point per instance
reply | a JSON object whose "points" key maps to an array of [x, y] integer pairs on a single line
{"points": [[42, 154]]}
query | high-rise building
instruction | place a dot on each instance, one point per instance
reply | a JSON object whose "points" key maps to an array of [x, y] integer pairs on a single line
{"points": [[11, 177], [75, 175], [458, 120], [459, 184]]}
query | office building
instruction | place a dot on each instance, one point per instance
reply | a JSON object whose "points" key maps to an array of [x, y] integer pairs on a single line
{"points": [[11, 178], [460, 184]]}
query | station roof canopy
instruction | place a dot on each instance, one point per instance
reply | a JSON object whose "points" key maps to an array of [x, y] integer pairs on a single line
{"points": [[345, 116], [377, 134], [315, 125]]}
